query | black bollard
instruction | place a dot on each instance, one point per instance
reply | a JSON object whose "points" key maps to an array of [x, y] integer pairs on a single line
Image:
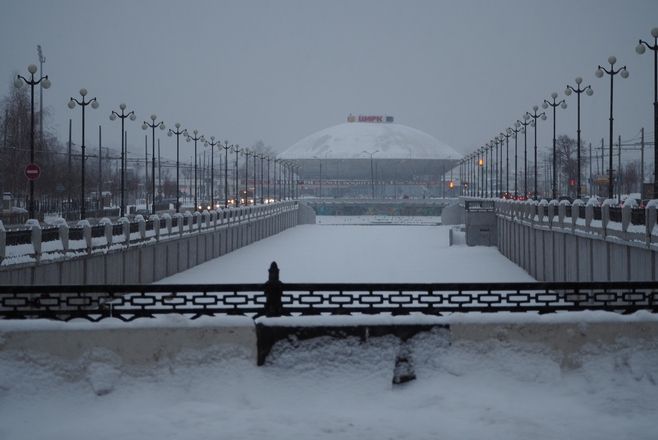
{"points": [[273, 292]]}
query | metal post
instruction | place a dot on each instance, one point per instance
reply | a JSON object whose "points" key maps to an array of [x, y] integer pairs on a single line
{"points": [[612, 72], [640, 49], [100, 169], [535, 116], [642, 162], [237, 188]]}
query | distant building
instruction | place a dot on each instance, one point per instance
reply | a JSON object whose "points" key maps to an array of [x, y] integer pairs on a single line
{"points": [[405, 162]]}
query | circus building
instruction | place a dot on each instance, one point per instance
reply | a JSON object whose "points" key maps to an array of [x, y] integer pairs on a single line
{"points": [[372, 156]]}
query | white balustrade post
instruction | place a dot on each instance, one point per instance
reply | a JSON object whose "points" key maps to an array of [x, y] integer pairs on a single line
{"points": [[650, 221], [626, 213], [605, 217], [125, 227], [107, 223], [188, 220], [86, 234], [167, 218], [197, 220], [3, 242], [155, 218], [142, 226], [180, 222]]}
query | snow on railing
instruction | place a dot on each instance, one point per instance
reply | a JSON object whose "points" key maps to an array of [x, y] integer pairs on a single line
{"points": [[626, 223], [34, 243]]}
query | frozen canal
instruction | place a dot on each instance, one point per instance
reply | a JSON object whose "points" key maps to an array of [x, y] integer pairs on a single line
{"points": [[496, 388], [358, 253]]}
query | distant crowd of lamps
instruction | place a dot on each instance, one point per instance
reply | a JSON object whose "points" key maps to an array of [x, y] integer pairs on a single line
{"points": [[285, 187], [481, 170]]}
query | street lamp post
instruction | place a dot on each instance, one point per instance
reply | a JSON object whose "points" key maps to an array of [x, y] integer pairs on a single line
{"points": [[534, 117], [246, 153], [507, 133], [237, 150], [113, 116], [516, 129], [177, 133], [612, 72], [554, 104], [524, 123], [195, 137], [482, 180], [485, 170], [268, 158], [212, 144], [494, 167], [226, 147], [262, 157], [491, 161], [45, 84], [83, 103], [145, 126], [276, 182], [255, 155], [578, 90], [640, 49]]}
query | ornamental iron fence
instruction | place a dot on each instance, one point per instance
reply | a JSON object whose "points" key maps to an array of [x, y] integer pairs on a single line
{"points": [[275, 298]]}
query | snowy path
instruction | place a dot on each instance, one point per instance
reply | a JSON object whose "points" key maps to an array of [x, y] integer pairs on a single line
{"points": [[355, 253]]}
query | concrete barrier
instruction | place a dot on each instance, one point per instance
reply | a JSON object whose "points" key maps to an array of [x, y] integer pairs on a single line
{"points": [[159, 256], [555, 247], [139, 344]]}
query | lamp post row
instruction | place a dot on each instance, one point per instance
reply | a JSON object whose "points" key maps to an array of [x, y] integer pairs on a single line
{"points": [[470, 164]]}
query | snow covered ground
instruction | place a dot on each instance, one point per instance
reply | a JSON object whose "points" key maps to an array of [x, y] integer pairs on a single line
{"points": [[357, 253], [328, 389], [495, 388]]}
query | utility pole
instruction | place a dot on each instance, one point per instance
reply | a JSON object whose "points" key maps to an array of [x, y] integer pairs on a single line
{"points": [[42, 60]]}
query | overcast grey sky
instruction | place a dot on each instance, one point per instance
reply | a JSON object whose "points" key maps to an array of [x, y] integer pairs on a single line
{"points": [[246, 70]]}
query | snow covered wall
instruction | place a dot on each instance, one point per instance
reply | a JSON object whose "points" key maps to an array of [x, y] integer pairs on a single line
{"points": [[156, 259], [573, 375], [552, 246]]}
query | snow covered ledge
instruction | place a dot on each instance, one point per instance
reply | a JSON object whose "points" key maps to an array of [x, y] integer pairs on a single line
{"points": [[77, 349], [133, 346]]}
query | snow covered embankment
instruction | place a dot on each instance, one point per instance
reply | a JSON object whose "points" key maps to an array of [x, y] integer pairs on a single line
{"points": [[499, 381]]}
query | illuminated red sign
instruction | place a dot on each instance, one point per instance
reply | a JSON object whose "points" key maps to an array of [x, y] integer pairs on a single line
{"points": [[370, 118]]}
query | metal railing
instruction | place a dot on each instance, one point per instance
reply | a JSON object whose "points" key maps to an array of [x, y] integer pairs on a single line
{"points": [[626, 223], [274, 298], [139, 230]]}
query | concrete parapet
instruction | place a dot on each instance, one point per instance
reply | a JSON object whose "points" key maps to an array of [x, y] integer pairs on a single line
{"points": [[151, 260], [569, 250], [136, 344]]}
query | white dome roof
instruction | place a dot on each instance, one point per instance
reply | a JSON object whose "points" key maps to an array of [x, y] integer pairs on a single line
{"points": [[349, 140]]}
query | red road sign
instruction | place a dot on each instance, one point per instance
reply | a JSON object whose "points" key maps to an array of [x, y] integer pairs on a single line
{"points": [[32, 171]]}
